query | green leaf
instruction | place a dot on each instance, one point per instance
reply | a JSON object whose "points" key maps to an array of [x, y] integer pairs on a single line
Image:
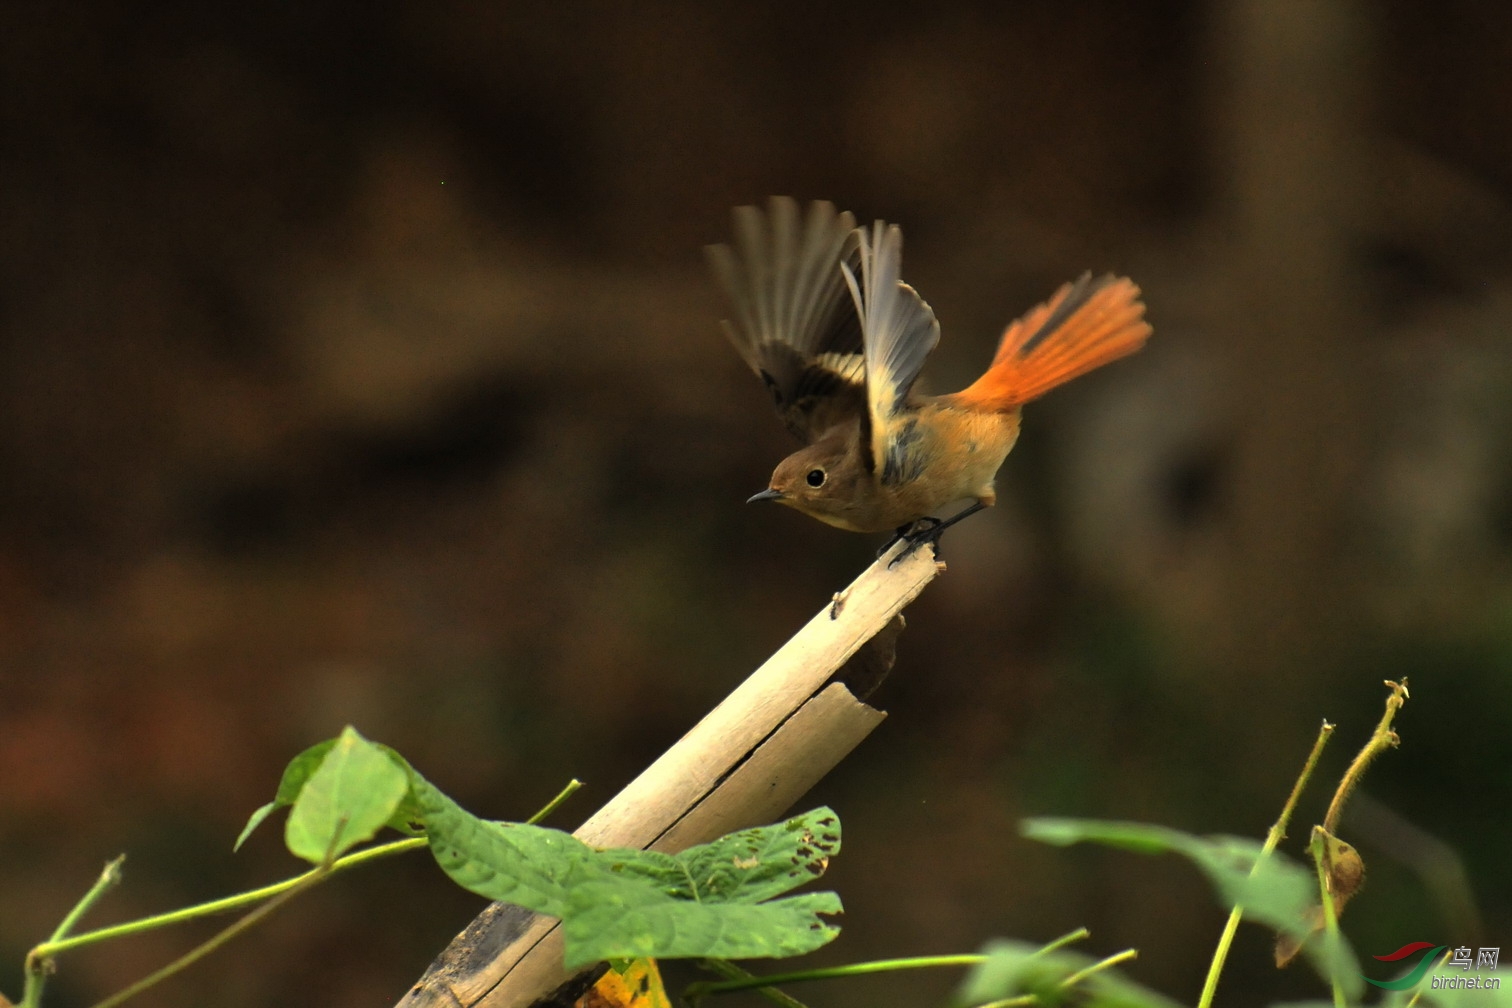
{"points": [[1015, 969], [1451, 997], [294, 776], [1111, 990], [612, 915], [254, 821], [664, 871], [712, 900], [706, 901], [299, 770], [1139, 837], [746, 867], [347, 799], [408, 818], [510, 862], [1279, 895], [1000, 976], [759, 864], [1425, 995]]}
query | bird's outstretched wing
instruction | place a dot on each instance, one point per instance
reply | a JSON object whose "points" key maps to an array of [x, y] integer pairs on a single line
{"points": [[794, 324], [898, 330]]}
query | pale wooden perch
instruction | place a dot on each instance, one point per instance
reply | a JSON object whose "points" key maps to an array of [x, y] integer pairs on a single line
{"points": [[743, 765]]}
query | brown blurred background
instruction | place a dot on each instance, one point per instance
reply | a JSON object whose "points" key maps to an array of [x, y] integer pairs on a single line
{"points": [[360, 366]]}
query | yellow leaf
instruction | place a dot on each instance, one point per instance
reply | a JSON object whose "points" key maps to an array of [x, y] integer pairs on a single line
{"points": [[628, 983]]}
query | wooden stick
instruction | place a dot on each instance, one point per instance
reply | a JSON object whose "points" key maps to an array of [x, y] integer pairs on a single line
{"points": [[744, 764]]}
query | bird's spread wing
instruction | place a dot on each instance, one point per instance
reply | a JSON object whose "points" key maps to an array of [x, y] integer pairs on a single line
{"points": [[794, 324], [898, 332]]}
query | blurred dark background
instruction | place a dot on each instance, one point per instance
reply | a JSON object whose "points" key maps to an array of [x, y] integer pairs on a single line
{"points": [[360, 365]]}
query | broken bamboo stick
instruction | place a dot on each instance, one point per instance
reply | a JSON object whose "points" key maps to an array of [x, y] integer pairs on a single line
{"points": [[744, 764]]}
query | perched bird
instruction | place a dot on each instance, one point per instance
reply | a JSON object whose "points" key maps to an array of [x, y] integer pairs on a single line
{"points": [[823, 318]]}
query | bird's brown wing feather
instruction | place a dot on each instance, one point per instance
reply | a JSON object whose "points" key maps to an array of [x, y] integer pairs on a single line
{"points": [[898, 330], [793, 322]]}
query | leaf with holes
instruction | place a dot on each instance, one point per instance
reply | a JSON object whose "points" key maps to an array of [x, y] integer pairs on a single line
{"points": [[758, 864], [617, 916], [747, 867], [715, 899]]}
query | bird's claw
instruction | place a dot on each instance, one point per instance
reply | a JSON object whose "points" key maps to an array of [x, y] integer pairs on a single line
{"points": [[925, 530]]}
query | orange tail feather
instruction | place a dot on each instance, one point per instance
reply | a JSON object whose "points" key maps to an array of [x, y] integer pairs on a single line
{"points": [[1084, 326]]}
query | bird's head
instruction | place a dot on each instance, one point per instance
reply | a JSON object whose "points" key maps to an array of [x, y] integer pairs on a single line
{"points": [[822, 482]]}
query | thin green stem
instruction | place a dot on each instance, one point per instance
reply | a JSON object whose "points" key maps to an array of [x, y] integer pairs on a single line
{"points": [[1220, 957], [833, 972], [1097, 967], [228, 903], [39, 965], [1317, 847], [197, 953], [109, 878], [556, 803], [730, 971], [749, 981], [1276, 834], [1418, 994], [702, 989], [39, 959], [1070, 937], [1020, 1000], [194, 955], [59, 942], [1381, 739]]}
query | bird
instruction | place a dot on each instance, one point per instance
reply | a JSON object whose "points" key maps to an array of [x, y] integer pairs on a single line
{"points": [[822, 316]]}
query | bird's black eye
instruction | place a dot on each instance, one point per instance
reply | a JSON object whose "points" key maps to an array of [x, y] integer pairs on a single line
{"points": [[816, 477]]}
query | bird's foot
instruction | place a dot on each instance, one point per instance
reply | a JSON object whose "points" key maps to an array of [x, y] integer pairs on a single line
{"points": [[914, 535], [926, 530]]}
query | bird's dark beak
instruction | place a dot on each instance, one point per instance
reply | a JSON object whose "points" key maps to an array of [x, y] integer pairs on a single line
{"points": [[766, 495]]}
